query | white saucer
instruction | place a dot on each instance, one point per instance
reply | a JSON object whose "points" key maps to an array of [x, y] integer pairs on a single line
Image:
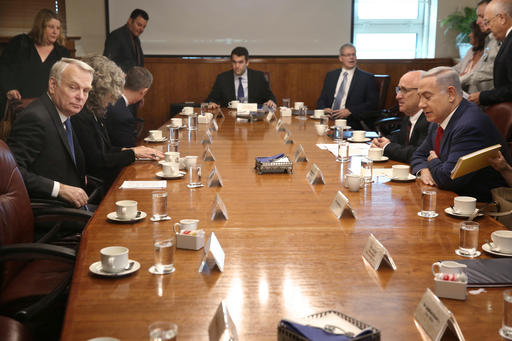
{"points": [[410, 178], [344, 128], [366, 139], [154, 271], [451, 212], [96, 269], [162, 161], [113, 216], [162, 176], [503, 335], [382, 159], [488, 247], [150, 140]]}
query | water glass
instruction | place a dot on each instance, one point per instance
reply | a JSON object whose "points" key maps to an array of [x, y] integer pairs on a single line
{"points": [[428, 203], [192, 121], [468, 239], [194, 176], [506, 326], [174, 134], [164, 246], [367, 170], [204, 108], [286, 102], [343, 151], [173, 146], [302, 113], [163, 331], [159, 199]]}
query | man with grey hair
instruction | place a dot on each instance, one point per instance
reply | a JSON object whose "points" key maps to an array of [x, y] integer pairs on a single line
{"points": [[42, 140], [459, 128], [498, 17], [349, 93], [120, 120]]}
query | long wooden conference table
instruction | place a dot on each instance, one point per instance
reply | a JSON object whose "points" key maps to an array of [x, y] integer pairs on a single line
{"points": [[287, 255]]}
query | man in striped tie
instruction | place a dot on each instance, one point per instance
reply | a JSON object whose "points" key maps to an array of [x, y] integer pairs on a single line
{"points": [[458, 128]]}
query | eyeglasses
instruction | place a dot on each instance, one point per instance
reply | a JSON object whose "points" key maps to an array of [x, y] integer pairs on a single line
{"points": [[488, 21], [348, 55], [403, 90]]}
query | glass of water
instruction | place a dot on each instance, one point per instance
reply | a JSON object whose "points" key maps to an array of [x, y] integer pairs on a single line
{"points": [[468, 239], [194, 176], [343, 151], [164, 245], [174, 134], [204, 108], [159, 200], [163, 331], [506, 326], [192, 121], [367, 170], [302, 113], [428, 203], [286, 102]]}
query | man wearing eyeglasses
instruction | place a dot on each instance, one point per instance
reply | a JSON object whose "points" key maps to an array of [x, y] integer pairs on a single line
{"points": [[498, 17], [414, 126], [349, 92]]}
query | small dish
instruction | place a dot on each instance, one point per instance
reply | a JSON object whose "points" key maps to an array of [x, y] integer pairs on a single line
{"points": [[345, 128], [366, 139], [162, 176], [150, 140], [410, 178], [451, 212], [382, 159], [113, 216], [489, 248], [97, 269]]}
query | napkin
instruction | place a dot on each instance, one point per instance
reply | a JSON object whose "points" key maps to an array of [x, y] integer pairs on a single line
{"points": [[317, 334], [270, 158]]}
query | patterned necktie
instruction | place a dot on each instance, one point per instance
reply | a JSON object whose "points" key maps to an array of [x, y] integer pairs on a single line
{"points": [[341, 92], [408, 136], [69, 134], [439, 136], [240, 89]]}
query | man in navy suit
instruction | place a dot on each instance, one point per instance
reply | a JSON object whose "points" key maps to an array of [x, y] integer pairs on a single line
{"points": [[121, 122], [42, 140], [498, 17], [241, 83], [349, 92], [123, 44], [459, 128], [414, 125]]}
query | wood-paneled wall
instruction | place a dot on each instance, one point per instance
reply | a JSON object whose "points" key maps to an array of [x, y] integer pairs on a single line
{"points": [[300, 79]]}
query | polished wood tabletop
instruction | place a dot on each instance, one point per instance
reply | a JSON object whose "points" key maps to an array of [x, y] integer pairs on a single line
{"points": [[287, 255]]}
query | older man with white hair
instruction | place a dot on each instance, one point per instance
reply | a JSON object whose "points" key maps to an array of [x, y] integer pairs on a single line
{"points": [[42, 140], [459, 128]]}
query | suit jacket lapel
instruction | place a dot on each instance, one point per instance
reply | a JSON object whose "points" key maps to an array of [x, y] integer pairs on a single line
{"points": [[419, 125], [353, 84], [54, 115], [231, 85], [453, 121]]}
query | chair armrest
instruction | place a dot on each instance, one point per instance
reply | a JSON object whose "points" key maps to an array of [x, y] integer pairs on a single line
{"points": [[29, 251]]}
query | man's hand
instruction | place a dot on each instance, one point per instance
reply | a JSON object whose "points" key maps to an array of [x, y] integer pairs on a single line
{"points": [[74, 195], [432, 156], [13, 94], [213, 105], [499, 163], [145, 153], [342, 113], [426, 177], [380, 142], [474, 97], [270, 103]]}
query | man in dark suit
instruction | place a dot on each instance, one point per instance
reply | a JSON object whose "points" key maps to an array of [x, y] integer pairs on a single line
{"points": [[498, 17], [459, 128], [121, 122], [414, 125], [349, 92], [42, 140], [123, 44], [241, 83]]}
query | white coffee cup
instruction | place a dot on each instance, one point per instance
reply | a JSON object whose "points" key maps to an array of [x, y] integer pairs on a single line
{"points": [[353, 182], [126, 209], [170, 168], [172, 156], [298, 105], [188, 110], [176, 122], [186, 224], [114, 259], [321, 129], [400, 172], [190, 161], [358, 135], [464, 205], [182, 162], [155, 135], [502, 240], [319, 113], [340, 123], [233, 104], [375, 153], [448, 267]]}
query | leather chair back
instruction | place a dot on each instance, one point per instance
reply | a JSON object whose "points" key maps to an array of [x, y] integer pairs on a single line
{"points": [[382, 86], [501, 115]]}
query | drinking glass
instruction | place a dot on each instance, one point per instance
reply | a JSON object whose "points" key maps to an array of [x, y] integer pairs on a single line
{"points": [[204, 108], [159, 199], [506, 326], [367, 169], [302, 113], [286, 102], [163, 331], [343, 151], [164, 245], [192, 121], [174, 133], [468, 239], [173, 146], [428, 203], [194, 176]]}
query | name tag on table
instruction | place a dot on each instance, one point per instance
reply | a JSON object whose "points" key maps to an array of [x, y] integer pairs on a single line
{"points": [[271, 116], [207, 154], [300, 154], [214, 179], [288, 137], [222, 327], [374, 252], [207, 139], [339, 204], [315, 176], [219, 210], [279, 125], [214, 125], [247, 107], [433, 316], [212, 247]]}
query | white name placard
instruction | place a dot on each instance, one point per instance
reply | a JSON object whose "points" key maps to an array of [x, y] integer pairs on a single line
{"points": [[222, 327], [339, 204], [208, 155], [214, 179], [214, 125], [247, 107], [374, 252], [219, 210], [288, 137], [300, 154], [315, 176], [279, 125], [433, 316], [212, 247], [271, 116]]}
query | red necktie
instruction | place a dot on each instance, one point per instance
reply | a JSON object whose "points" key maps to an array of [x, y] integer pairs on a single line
{"points": [[407, 138], [439, 136]]}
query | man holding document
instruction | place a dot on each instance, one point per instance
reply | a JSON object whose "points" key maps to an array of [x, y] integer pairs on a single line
{"points": [[459, 128]]}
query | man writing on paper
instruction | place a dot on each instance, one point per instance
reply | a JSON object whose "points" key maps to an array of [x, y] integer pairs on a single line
{"points": [[349, 92], [459, 128], [241, 83], [414, 126]]}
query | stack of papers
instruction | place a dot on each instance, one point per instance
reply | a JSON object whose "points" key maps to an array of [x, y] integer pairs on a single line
{"points": [[353, 148], [144, 184]]}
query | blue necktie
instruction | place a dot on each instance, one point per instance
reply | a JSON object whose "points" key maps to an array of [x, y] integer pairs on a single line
{"points": [[341, 92], [240, 89], [69, 134]]}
